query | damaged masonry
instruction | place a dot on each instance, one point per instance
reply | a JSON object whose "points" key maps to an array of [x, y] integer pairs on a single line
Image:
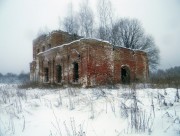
{"points": [[63, 58]]}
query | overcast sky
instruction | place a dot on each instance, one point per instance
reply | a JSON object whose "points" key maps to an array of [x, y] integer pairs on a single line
{"points": [[20, 21]]}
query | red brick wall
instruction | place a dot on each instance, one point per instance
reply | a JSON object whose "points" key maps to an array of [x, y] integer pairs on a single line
{"points": [[99, 63]]}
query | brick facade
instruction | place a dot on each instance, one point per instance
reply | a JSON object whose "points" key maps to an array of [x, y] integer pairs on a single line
{"points": [[67, 59]]}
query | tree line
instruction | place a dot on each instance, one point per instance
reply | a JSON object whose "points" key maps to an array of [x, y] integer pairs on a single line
{"points": [[14, 78], [169, 77]]}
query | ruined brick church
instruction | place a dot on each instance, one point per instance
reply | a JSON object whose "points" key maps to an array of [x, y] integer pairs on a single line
{"points": [[64, 58]]}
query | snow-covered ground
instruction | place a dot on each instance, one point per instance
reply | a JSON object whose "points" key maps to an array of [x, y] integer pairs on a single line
{"points": [[88, 112]]}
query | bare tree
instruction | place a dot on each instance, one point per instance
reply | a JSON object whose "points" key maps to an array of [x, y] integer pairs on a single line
{"points": [[124, 32], [43, 31], [86, 20], [70, 22], [105, 19], [148, 45], [130, 34]]}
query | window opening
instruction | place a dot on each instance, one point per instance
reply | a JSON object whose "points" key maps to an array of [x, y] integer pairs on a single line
{"points": [[37, 51], [75, 72], [46, 73], [59, 73], [43, 48], [49, 46]]}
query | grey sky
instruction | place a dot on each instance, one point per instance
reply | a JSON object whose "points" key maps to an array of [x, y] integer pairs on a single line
{"points": [[20, 21]]}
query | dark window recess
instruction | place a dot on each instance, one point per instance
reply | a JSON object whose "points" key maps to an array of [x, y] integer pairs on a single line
{"points": [[46, 74], [58, 73], [43, 48], [125, 75], [75, 72], [79, 56], [37, 51], [49, 46]]}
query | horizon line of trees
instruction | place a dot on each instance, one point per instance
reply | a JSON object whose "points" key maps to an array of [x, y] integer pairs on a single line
{"points": [[170, 77], [14, 78], [124, 32]]}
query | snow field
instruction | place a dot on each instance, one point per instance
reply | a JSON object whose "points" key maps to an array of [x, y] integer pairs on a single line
{"points": [[88, 112]]}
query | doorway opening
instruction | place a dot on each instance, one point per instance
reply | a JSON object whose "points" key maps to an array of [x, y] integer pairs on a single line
{"points": [[125, 75]]}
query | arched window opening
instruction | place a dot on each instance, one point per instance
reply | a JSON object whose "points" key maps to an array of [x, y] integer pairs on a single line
{"points": [[46, 74], [58, 73], [75, 72], [125, 75]]}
